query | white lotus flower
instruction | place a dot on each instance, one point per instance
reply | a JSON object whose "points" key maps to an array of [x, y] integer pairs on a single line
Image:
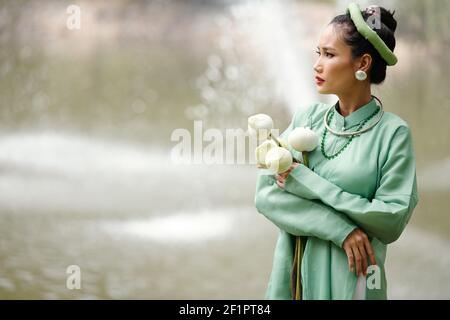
{"points": [[278, 159], [303, 139], [260, 125], [261, 152]]}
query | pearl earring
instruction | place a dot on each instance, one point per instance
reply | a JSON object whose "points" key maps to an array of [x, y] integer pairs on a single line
{"points": [[361, 75]]}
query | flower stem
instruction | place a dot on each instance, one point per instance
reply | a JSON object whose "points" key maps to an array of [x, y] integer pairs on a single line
{"points": [[300, 243], [305, 158], [280, 145], [298, 278], [275, 139]]}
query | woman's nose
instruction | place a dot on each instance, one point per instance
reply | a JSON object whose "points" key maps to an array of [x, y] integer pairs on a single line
{"points": [[317, 66]]}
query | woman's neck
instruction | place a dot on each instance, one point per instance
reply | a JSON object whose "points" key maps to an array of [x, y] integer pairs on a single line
{"points": [[351, 102]]}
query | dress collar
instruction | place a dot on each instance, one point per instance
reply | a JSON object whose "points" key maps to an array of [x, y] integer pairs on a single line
{"points": [[340, 122]]}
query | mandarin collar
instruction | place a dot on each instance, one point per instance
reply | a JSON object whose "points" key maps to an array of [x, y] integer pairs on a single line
{"points": [[340, 122]]}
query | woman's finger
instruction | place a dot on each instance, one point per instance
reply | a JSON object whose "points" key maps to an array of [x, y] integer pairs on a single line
{"points": [[350, 258], [370, 251], [362, 251], [282, 175], [357, 259]]}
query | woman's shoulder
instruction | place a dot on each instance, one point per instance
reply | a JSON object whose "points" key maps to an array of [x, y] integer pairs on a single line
{"points": [[310, 113], [394, 119], [392, 123], [312, 108]]}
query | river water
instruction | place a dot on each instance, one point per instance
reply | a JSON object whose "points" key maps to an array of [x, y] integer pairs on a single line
{"points": [[87, 173]]}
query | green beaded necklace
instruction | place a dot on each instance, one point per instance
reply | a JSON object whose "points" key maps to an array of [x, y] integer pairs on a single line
{"points": [[322, 145]]}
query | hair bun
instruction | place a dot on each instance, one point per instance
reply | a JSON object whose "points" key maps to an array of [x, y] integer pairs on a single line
{"points": [[387, 18]]}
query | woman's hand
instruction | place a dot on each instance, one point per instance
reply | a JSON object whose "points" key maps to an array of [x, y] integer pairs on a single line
{"points": [[281, 178], [358, 247]]}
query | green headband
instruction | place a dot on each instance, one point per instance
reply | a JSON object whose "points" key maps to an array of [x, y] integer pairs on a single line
{"points": [[364, 29]]}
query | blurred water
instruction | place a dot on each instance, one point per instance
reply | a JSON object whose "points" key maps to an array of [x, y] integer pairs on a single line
{"points": [[86, 176]]}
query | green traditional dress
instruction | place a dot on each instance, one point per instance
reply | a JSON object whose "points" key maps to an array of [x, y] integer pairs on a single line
{"points": [[370, 184]]}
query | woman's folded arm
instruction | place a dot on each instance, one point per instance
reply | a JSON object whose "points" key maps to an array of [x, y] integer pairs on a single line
{"points": [[298, 216], [386, 215]]}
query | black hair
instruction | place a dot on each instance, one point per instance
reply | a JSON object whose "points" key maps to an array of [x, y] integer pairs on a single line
{"points": [[360, 45]]}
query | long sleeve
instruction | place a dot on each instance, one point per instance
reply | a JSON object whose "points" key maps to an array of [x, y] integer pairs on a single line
{"points": [[386, 215], [298, 216]]}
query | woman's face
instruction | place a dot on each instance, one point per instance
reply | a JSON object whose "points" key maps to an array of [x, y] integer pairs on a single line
{"points": [[334, 65]]}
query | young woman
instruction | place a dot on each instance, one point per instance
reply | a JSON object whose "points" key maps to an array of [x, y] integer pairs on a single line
{"points": [[359, 191]]}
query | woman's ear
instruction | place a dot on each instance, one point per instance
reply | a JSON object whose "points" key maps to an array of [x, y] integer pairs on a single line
{"points": [[365, 62]]}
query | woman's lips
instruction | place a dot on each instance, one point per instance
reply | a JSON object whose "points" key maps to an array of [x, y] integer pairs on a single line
{"points": [[319, 80]]}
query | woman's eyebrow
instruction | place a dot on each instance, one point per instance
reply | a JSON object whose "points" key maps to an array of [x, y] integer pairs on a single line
{"points": [[326, 48]]}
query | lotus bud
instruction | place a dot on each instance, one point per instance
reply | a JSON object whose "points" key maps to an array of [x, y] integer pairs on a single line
{"points": [[260, 125], [303, 139], [278, 159], [261, 152]]}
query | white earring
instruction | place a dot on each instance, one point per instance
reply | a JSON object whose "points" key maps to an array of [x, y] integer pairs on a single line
{"points": [[361, 75]]}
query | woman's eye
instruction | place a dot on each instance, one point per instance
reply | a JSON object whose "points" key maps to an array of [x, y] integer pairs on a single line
{"points": [[327, 54]]}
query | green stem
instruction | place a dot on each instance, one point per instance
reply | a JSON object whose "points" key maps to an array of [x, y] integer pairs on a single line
{"points": [[280, 145], [305, 158], [299, 257], [275, 139], [299, 248]]}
